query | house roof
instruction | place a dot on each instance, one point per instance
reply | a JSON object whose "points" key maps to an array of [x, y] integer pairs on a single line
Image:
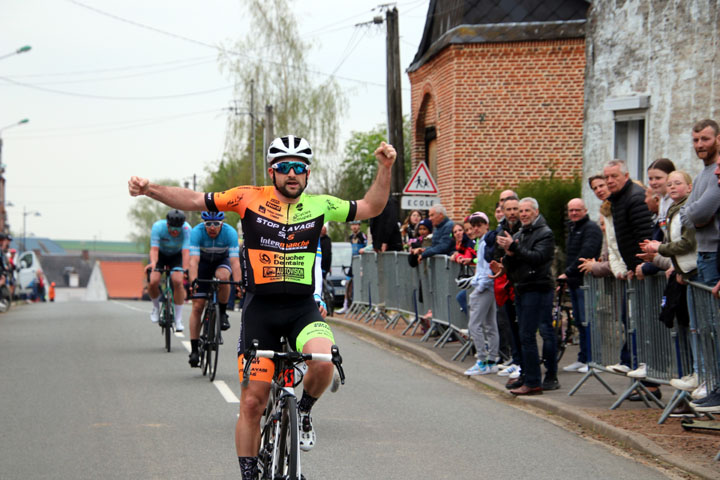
{"points": [[123, 279], [483, 21], [44, 245]]}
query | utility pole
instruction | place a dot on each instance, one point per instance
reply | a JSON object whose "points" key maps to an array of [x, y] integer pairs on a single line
{"points": [[394, 98], [252, 131], [269, 135]]}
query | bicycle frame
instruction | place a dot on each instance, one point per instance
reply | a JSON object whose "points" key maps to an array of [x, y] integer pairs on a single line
{"points": [[167, 309]]}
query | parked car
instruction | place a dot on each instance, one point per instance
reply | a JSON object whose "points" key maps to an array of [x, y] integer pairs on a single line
{"points": [[341, 257], [28, 265]]}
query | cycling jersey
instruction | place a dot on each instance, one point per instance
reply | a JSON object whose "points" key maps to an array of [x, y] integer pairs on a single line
{"points": [[281, 239], [213, 250], [160, 237]]}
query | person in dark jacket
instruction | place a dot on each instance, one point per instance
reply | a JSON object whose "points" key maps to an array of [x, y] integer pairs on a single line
{"points": [[443, 242], [584, 241], [631, 217], [326, 250], [528, 260], [385, 230]]}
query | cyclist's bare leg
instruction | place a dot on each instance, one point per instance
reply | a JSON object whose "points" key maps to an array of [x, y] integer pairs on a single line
{"points": [[224, 292], [154, 285], [319, 374], [178, 289], [253, 399], [198, 304]]}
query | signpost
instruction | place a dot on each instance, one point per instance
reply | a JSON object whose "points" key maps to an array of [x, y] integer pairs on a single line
{"points": [[421, 192]]}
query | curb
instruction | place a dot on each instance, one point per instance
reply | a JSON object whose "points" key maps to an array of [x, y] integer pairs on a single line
{"points": [[630, 439]]}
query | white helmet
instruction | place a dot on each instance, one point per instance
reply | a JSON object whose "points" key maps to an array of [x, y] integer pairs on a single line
{"points": [[463, 282], [289, 146]]}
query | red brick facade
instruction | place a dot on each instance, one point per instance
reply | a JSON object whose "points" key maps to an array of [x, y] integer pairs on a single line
{"points": [[502, 113]]}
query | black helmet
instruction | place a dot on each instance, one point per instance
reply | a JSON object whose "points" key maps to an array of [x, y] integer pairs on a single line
{"points": [[175, 218]]}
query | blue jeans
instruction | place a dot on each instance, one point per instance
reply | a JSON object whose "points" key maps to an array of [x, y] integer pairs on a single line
{"points": [[707, 273], [461, 298], [577, 297], [534, 310]]}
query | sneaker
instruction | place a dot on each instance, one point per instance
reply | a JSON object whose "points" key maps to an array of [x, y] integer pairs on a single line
{"points": [[490, 367], [699, 392], [618, 368], [550, 383], [710, 404], [476, 369], [225, 324], [575, 366], [688, 383], [509, 370], [640, 372], [515, 374], [307, 433], [341, 311], [179, 326], [194, 359], [155, 315]]}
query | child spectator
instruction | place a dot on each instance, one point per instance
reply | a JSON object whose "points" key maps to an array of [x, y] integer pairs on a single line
{"points": [[408, 230]]}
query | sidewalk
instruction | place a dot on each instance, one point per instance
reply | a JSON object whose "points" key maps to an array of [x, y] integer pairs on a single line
{"points": [[632, 424]]}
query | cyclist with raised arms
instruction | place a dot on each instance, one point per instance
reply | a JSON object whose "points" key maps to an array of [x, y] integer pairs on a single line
{"points": [[281, 226], [214, 252], [169, 243]]}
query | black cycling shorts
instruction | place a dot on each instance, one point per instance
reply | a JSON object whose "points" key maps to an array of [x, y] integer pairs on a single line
{"points": [[174, 261], [266, 318], [206, 271]]}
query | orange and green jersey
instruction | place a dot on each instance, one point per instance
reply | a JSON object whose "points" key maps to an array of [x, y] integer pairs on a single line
{"points": [[281, 239]]}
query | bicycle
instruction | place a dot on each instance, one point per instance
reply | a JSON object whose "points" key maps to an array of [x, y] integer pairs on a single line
{"points": [[279, 455], [328, 296], [563, 322], [167, 305], [211, 333]]}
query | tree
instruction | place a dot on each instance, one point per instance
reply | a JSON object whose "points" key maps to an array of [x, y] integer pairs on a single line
{"points": [[273, 57], [144, 213]]}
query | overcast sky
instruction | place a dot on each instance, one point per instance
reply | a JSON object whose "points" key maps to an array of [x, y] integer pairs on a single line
{"points": [[93, 86]]}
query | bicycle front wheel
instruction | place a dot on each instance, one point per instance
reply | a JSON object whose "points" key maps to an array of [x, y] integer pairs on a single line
{"points": [[169, 314], [286, 460], [215, 332], [210, 347]]}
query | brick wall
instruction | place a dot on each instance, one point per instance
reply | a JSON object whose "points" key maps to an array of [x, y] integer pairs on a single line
{"points": [[503, 113]]}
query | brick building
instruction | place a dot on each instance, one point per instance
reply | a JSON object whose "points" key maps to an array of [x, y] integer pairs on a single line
{"points": [[497, 94]]}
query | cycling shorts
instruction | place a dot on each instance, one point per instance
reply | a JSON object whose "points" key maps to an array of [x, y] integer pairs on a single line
{"points": [[206, 271], [173, 261], [266, 318]]}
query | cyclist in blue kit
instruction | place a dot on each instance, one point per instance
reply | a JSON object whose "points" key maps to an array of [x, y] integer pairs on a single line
{"points": [[169, 243], [214, 252]]}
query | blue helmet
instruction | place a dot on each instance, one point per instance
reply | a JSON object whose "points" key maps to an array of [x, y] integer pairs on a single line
{"points": [[213, 216]]}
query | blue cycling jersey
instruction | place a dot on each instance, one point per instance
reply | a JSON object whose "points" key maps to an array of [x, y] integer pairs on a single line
{"points": [[160, 237], [214, 249]]}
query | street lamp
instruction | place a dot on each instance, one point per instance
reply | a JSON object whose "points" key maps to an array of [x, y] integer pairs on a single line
{"points": [[25, 215], [3, 215], [20, 50]]}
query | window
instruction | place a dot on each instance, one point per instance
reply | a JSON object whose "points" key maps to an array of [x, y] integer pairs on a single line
{"points": [[630, 144]]}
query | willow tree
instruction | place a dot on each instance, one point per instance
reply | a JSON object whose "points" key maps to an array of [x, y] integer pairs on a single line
{"points": [[273, 56]]}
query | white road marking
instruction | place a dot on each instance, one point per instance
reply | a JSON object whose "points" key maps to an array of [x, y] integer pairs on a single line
{"points": [[179, 334], [131, 307], [226, 392], [187, 345]]}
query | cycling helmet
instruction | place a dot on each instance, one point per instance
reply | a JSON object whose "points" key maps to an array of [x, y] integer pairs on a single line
{"points": [[175, 218], [289, 146], [463, 282], [212, 216]]}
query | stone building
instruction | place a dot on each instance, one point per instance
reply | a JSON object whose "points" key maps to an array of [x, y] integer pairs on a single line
{"points": [[497, 94], [651, 69]]}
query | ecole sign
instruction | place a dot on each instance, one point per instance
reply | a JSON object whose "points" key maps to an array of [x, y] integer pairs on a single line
{"points": [[421, 191]]}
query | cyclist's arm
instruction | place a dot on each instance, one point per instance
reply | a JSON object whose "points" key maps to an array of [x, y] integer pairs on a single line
{"points": [[193, 268], [235, 267], [185, 258], [154, 254], [373, 203], [176, 197]]}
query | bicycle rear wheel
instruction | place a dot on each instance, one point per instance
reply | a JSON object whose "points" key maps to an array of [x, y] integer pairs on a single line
{"points": [[169, 314], [286, 462], [203, 343]]}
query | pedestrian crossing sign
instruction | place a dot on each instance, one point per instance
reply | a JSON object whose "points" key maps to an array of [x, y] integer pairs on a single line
{"points": [[421, 182]]}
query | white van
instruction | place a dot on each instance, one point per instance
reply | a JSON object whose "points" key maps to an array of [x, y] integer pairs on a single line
{"points": [[28, 265]]}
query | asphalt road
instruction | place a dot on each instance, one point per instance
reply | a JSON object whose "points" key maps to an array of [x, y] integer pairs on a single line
{"points": [[87, 392]]}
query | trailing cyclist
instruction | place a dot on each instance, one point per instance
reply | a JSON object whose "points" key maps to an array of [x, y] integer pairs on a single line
{"points": [[169, 246], [281, 225], [214, 252]]}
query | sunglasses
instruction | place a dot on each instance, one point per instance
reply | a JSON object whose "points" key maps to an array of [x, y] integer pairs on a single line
{"points": [[213, 223], [285, 167]]}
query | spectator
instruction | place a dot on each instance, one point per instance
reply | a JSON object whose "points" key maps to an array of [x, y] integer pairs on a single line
{"points": [[326, 250], [499, 215], [51, 292], [658, 172], [408, 230], [384, 228], [528, 260], [39, 287], [483, 322], [358, 241], [442, 240], [423, 239], [464, 254], [615, 262], [584, 241]]}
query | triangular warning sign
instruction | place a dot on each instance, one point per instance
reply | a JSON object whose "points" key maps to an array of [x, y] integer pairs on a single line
{"points": [[421, 181]]}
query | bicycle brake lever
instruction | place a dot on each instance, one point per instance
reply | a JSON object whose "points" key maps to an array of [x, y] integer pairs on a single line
{"points": [[250, 355]]}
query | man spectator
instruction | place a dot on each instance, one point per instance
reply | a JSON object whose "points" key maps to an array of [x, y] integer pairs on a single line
{"points": [[631, 217], [584, 241], [528, 260], [384, 229], [326, 249], [442, 239]]}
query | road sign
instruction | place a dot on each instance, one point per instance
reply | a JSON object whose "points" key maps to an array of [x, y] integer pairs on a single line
{"points": [[421, 182], [418, 202]]}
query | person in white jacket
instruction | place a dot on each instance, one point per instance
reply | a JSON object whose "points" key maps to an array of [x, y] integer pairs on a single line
{"points": [[482, 324]]}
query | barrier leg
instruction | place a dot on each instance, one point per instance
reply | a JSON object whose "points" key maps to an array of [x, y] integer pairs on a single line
{"points": [[440, 342], [464, 350], [678, 398], [644, 393], [591, 373]]}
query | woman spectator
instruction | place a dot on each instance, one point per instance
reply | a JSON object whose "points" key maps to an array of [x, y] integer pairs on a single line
{"points": [[463, 245], [658, 172], [408, 230]]}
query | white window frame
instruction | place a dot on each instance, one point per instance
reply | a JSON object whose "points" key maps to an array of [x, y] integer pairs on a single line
{"points": [[631, 110]]}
